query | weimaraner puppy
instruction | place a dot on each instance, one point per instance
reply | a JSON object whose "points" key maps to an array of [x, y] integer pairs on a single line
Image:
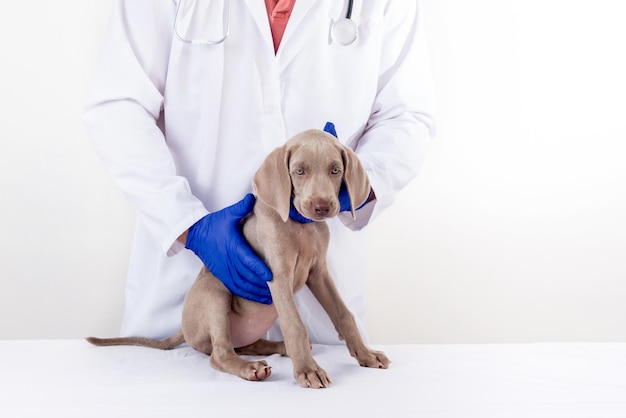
{"points": [[309, 168]]}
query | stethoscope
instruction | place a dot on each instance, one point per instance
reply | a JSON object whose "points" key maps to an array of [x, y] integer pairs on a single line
{"points": [[344, 31]]}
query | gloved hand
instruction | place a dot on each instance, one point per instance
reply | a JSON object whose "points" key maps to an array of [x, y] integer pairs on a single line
{"points": [[344, 198], [218, 241], [296, 216], [330, 128]]}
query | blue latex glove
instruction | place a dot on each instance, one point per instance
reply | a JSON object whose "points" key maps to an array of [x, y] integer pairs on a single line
{"points": [[330, 128], [344, 199], [218, 241], [296, 216]]}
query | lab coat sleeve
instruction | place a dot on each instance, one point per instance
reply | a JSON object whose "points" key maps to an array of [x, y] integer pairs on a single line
{"points": [[401, 124], [122, 119]]}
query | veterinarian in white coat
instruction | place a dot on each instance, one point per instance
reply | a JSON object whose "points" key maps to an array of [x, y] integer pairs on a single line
{"points": [[182, 128]]}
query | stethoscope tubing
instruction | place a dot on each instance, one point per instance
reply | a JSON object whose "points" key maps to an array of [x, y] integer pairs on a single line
{"points": [[202, 41], [349, 12]]}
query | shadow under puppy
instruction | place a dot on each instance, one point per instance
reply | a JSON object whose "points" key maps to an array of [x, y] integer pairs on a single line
{"points": [[309, 170]]}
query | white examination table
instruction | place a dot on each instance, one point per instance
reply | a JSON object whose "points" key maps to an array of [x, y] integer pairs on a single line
{"points": [[59, 378]]}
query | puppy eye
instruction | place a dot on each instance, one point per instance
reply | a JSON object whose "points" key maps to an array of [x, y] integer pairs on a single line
{"points": [[335, 170], [299, 171]]}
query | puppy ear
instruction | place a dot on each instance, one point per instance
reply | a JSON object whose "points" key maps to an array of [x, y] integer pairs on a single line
{"points": [[355, 178], [272, 184]]}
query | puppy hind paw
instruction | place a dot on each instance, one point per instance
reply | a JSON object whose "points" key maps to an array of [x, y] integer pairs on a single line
{"points": [[263, 348]]}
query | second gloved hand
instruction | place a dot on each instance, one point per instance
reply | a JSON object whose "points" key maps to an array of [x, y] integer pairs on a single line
{"points": [[344, 197], [218, 241]]}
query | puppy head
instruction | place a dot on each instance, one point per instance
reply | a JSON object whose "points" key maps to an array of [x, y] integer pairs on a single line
{"points": [[310, 168]]}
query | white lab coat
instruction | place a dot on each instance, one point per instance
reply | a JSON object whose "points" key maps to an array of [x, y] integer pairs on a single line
{"points": [[182, 128]]}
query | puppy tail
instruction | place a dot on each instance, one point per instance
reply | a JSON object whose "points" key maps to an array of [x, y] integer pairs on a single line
{"points": [[166, 344]]}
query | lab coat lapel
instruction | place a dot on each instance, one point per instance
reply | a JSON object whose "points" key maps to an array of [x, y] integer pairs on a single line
{"points": [[259, 12], [299, 12]]}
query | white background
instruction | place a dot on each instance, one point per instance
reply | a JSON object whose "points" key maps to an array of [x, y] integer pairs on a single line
{"points": [[515, 230]]}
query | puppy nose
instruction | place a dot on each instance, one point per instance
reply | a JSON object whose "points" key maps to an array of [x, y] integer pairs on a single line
{"points": [[322, 209]]}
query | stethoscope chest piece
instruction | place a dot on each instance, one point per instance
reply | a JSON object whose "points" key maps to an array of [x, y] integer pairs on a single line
{"points": [[344, 31]]}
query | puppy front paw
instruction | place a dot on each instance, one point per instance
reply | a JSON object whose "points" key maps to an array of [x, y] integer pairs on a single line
{"points": [[371, 358], [312, 377]]}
